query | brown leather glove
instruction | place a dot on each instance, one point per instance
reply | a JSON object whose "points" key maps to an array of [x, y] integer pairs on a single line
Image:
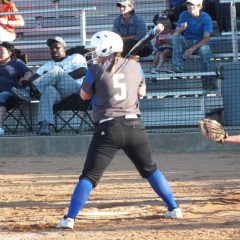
{"points": [[212, 130]]}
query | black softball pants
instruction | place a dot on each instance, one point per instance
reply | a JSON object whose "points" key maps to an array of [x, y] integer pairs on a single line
{"points": [[111, 136]]}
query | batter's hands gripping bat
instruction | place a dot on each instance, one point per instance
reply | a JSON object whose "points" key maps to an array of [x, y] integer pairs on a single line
{"points": [[143, 41]]}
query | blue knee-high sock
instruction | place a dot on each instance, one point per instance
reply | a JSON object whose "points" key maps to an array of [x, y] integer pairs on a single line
{"points": [[160, 185], [79, 197]]}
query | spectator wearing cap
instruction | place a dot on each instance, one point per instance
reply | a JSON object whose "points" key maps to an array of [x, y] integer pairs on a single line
{"points": [[131, 28], [163, 42], [54, 81], [9, 22], [192, 36]]}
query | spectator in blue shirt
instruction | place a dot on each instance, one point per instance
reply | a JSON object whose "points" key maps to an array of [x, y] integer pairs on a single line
{"points": [[131, 28], [192, 36], [12, 71]]}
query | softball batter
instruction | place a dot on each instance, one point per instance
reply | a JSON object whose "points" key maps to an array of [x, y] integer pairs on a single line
{"points": [[115, 84]]}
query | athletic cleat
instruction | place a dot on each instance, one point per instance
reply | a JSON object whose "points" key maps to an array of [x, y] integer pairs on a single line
{"points": [[175, 213], [66, 223]]}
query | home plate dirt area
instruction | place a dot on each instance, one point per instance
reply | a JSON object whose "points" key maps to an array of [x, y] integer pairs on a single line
{"points": [[35, 193]]}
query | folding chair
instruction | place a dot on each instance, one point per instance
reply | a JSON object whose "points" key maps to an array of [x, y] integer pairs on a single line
{"points": [[16, 115], [78, 109]]}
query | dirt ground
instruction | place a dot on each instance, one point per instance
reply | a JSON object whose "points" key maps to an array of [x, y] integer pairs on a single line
{"points": [[35, 192]]}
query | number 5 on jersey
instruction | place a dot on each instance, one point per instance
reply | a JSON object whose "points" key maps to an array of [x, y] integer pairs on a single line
{"points": [[122, 94]]}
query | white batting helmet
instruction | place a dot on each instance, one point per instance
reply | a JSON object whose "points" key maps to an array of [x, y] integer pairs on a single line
{"points": [[105, 43]]}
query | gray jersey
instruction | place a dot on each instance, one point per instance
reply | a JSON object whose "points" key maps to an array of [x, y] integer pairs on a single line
{"points": [[115, 93]]}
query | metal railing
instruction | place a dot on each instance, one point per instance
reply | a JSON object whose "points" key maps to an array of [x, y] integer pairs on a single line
{"points": [[82, 11]]}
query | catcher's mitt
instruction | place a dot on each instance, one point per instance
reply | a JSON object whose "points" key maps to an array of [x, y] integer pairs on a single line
{"points": [[212, 130]]}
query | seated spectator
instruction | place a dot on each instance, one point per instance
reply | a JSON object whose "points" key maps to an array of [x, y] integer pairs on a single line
{"points": [[192, 36], [131, 28], [12, 72], [9, 22], [54, 81], [163, 43]]}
